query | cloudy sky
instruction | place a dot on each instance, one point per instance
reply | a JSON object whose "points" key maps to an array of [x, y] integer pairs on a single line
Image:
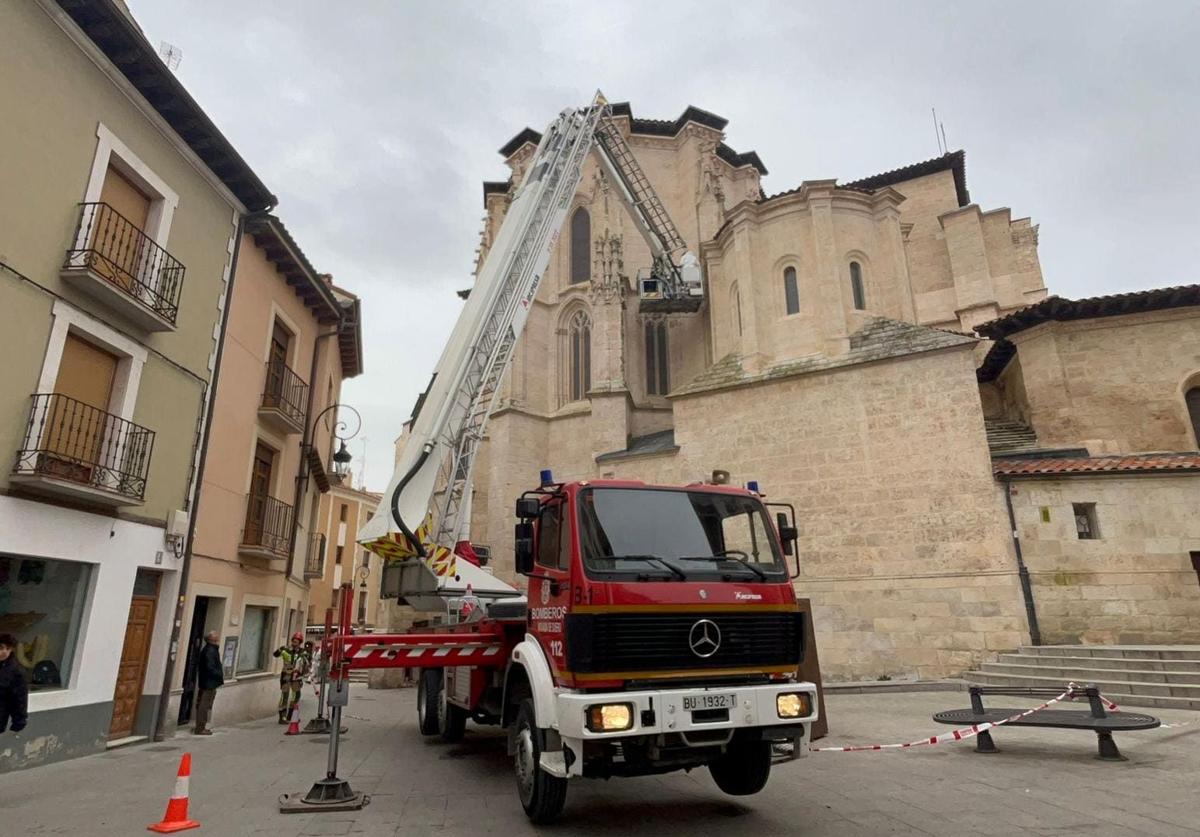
{"points": [[375, 121]]}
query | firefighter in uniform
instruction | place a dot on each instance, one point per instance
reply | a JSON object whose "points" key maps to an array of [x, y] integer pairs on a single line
{"points": [[291, 678]]}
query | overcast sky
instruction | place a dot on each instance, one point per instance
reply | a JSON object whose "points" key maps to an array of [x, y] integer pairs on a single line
{"points": [[375, 122]]}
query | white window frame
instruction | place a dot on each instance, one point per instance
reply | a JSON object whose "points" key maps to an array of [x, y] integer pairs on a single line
{"points": [[275, 606], [132, 355], [163, 199]]}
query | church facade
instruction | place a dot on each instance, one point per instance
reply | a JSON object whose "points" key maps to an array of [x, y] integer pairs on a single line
{"points": [[884, 354]]}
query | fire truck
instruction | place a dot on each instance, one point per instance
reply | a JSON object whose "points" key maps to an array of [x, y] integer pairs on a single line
{"points": [[660, 630]]}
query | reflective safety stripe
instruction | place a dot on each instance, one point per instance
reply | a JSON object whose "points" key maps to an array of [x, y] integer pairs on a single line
{"points": [[181, 788]]}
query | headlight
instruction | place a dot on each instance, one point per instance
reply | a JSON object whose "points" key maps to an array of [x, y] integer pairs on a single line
{"points": [[793, 705], [610, 717]]}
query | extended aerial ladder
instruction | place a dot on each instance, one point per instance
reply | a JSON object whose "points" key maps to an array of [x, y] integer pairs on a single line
{"points": [[429, 496]]}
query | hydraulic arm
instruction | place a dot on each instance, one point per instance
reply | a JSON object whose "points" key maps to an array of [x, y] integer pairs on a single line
{"points": [[428, 498]]}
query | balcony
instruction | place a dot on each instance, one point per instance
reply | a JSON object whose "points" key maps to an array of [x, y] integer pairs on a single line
{"points": [[314, 562], [117, 264], [268, 530], [75, 450], [285, 399]]}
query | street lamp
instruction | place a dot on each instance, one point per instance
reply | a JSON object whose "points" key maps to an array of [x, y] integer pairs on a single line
{"points": [[341, 459]]}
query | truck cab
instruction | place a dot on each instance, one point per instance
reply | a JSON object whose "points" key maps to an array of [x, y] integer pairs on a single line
{"points": [[662, 633]]}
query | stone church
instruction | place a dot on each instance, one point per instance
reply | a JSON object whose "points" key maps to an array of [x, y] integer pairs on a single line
{"points": [[975, 463]]}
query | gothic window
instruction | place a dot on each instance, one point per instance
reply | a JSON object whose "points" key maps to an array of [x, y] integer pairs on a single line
{"points": [[658, 372], [856, 286], [735, 309], [1193, 408], [578, 357], [791, 293], [581, 246]]}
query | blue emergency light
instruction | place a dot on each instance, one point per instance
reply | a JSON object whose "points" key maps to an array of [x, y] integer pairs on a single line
{"points": [[752, 486], [547, 476]]}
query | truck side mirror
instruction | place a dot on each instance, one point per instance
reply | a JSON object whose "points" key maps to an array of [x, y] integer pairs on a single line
{"points": [[523, 547], [787, 534], [528, 508]]}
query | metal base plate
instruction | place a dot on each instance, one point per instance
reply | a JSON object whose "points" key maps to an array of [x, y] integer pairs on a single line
{"points": [[317, 726], [329, 794]]}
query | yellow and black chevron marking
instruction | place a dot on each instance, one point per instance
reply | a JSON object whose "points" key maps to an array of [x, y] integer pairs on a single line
{"points": [[396, 548]]}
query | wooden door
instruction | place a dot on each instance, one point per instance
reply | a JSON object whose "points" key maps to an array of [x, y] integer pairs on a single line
{"points": [[117, 229], [78, 423], [281, 340], [132, 671], [260, 490]]}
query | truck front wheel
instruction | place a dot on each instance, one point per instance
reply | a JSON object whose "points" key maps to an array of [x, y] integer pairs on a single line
{"points": [[744, 768], [542, 795]]}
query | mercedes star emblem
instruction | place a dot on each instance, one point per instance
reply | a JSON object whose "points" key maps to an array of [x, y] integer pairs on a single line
{"points": [[704, 638]]}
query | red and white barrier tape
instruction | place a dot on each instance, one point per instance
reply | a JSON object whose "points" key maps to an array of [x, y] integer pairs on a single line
{"points": [[1073, 691]]}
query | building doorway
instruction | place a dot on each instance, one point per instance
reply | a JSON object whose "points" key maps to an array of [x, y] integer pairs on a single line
{"points": [[207, 615], [135, 654]]}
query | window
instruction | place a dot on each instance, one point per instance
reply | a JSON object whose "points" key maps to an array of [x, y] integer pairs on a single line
{"points": [[735, 309], [366, 558], [746, 532], [579, 357], [254, 646], [342, 513], [1086, 526], [791, 292], [41, 604], [581, 246], [549, 550], [1193, 407], [658, 371], [362, 606], [1195, 556], [856, 286], [337, 555], [261, 477]]}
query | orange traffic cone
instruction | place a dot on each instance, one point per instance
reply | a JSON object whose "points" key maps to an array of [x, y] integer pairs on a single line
{"points": [[176, 818], [294, 725]]}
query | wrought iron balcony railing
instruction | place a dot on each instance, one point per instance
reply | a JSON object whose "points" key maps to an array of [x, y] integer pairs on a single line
{"points": [[314, 562], [286, 393], [72, 441], [112, 247], [268, 525]]}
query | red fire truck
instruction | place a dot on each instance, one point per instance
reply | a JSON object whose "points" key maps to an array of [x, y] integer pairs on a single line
{"points": [[661, 631]]}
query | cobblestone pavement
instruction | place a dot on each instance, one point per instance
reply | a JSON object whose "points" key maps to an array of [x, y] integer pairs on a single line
{"points": [[1044, 782]]}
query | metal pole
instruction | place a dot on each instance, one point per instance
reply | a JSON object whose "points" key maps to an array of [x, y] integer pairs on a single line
{"points": [[1035, 632]]}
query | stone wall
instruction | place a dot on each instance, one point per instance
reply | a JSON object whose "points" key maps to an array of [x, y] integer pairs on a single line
{"points": [[1112, 384], [1135, 584], [903, 538]]}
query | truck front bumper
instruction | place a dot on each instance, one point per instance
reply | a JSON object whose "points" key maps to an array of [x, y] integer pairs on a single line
{"points": [[684, 711]]}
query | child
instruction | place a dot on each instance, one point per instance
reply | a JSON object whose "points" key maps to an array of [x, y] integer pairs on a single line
{"points": [[13, 693]]}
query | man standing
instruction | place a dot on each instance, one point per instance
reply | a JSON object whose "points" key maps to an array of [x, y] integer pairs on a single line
{"points": [[13, 692], [291, 678], [209, 677]]}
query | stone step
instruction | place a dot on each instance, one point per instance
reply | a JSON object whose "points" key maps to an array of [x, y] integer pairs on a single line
{"points": [[1112, 663], [1120, 691], [1134, 652], [1088, 674]]}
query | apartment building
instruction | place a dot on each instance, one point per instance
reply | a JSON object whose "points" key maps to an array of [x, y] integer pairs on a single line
{"points": [[119, 223], [337, 558], [291, 340]]}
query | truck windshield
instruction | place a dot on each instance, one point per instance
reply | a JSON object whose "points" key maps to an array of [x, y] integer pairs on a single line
{"points": [[655, 531]]}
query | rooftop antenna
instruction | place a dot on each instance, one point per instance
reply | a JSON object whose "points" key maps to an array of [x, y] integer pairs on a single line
{"points": [[362, 466], [170, 54], [938, 133]]}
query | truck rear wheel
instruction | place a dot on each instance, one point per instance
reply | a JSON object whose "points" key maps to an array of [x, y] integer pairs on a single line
{"points": [[744, 768], [429, 698], [542, 795], [452, 720]]}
